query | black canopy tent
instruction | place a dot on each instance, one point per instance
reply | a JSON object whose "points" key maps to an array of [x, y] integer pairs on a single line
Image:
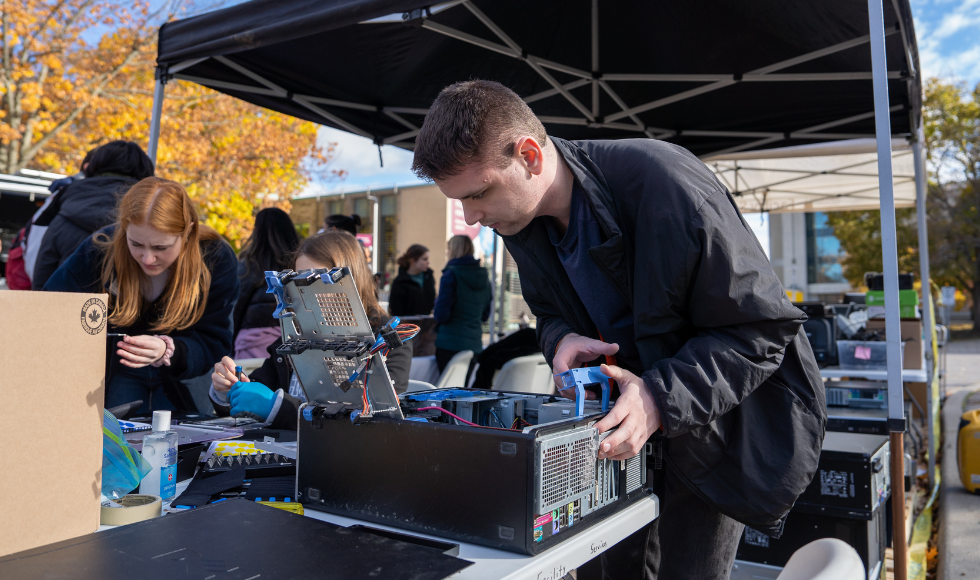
{"points": [[715, 77], [711, 76]]}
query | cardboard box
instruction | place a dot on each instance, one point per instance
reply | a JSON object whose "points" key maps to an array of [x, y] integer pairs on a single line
{"points": [[911, 334], [52, 388]]}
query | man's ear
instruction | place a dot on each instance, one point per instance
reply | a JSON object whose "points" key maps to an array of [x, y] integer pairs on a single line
{"points": [[529, 150]]}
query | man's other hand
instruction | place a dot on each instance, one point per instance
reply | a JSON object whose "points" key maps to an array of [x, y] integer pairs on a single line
{"points": [[573, 351], [635, 416]]}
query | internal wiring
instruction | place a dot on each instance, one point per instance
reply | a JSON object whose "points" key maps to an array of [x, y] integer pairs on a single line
{"points": [[453, 415]]}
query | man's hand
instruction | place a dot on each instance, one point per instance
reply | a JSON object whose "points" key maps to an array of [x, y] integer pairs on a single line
{"points": [[223, 376], [635, 416], [573, 351], [138, 351]]}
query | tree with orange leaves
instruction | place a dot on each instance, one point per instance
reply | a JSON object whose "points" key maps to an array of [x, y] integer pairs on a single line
{"points": [[61, 96]]}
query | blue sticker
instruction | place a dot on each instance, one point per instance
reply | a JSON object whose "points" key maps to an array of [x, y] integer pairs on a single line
{"points": [[168, 481]]}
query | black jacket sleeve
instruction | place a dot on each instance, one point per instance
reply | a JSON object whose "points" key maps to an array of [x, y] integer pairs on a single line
{"points": [[60, 241], [743, 318], [81, 272], [551, 326]]}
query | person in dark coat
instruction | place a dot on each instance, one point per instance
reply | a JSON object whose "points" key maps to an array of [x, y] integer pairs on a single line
{"points": [[270, 247], [632, 249], [273, 392], [413, 291], [463, 304], [87, 205], [172, 284]]}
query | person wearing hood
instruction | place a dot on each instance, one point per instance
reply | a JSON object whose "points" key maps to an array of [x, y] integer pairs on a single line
{"points": [[88, 205], [463, 304], [413, 291]]}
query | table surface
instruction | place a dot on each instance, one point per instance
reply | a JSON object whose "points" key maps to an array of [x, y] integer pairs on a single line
{"points": [[552, 564]]}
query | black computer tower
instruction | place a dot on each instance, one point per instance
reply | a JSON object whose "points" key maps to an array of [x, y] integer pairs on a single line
{"points": [[866, 536], [470, 484], [852, 479]]}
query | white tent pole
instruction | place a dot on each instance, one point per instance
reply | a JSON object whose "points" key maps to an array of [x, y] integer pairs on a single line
{"points": [[157, 113], [927, 323], [889, 256], [375, 231]]}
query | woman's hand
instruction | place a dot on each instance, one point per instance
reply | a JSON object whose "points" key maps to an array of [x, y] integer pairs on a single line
{"points": [[139, 351], [223, 376]]}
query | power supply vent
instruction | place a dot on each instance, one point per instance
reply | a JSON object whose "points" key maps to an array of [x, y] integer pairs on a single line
{"points": [[336, 309], [634, 472], [566, 468]]}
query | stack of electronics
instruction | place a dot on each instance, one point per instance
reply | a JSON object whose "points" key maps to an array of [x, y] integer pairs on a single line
{"points": [[512, 471], [846, 500], [821, 331], [857, 407]]}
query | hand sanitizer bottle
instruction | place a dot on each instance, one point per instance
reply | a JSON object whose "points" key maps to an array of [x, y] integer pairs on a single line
{"points": [[160, 450]]}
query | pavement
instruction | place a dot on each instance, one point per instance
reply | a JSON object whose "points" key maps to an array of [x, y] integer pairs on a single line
{"points": [[959, 511], [962, 367]]}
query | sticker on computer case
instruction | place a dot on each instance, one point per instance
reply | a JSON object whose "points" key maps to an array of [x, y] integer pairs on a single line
{"points": [[538, 534], [836, 483], [542, 520]]}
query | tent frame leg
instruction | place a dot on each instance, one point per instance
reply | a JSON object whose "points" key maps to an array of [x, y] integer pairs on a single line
{"points": [[157, 114], [924, 276], [889, 254]]}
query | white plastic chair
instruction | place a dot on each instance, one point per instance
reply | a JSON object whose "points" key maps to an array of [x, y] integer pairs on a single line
{"points": [[454, 375], [825, 559], [419, 386], [525, 374]]}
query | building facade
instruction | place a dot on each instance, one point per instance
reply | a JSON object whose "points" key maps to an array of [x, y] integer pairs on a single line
{"points": [[807, 256]]}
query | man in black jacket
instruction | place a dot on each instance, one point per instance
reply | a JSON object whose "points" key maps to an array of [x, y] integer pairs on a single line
{"points": [[632, 249]]}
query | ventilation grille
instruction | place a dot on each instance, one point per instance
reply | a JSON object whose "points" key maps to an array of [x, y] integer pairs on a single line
{"points": [[341, 369], [336, 309], [634, 473], [837, 397], [567, 468]]}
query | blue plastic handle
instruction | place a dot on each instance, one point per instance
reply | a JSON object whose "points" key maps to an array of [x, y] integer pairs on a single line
{"points": [[578, 379]]}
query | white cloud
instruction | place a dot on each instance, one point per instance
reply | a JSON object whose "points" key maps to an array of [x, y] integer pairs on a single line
{"points": [[949, 45], [358, 156]]}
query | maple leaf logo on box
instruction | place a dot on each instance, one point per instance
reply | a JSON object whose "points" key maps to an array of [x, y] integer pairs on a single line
{"points": [[94, 316]]}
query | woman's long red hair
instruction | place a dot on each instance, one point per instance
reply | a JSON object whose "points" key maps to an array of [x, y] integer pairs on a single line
{"points": [[165, 206]]}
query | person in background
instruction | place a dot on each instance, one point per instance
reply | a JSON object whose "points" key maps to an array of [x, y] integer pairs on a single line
{"points": [[273, 391], [172, 284], [344, 223], [32, 235], [413, 291], [88, 204], [270, 247], [464, 302]]}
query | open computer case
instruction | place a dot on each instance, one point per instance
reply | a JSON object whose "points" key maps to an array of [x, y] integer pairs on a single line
{"points": [[513, 471]]}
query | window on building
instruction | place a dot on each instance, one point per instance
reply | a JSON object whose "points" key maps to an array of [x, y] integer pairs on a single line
{"points": [[364, 208], [335, 206], [388, 250], [823, 251]]}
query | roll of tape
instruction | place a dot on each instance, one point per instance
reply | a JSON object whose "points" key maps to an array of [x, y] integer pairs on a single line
{"points": [[130, 509]]}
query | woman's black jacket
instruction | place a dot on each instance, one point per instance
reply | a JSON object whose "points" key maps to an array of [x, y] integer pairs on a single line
{"points": [[408, 298]]}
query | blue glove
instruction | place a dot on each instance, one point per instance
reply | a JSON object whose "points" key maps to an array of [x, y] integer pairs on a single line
{"points": [[252, 398]]}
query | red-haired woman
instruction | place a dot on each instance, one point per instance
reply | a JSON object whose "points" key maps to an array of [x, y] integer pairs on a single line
{"points": [[172, 285]]}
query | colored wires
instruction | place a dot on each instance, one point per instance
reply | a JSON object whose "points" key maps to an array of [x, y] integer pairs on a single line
{"points": [[405, 332]]}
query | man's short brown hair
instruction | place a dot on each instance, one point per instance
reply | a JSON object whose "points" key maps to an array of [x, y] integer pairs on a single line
{"points": [[472, 121]]}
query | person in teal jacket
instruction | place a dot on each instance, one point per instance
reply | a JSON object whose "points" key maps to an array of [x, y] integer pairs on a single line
{"points": [[463, 304]]}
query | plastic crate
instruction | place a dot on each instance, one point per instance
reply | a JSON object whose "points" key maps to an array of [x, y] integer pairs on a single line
{"points": [[863, 355]]}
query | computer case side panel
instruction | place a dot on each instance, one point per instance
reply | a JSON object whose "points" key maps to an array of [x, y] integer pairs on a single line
{"points": [[465, 484]]}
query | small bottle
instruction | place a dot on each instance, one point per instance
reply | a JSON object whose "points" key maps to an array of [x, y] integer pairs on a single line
{"points": [[160, 450]]}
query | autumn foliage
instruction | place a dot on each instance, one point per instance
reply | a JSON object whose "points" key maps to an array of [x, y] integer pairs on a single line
{"points": [[61, 95]]}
